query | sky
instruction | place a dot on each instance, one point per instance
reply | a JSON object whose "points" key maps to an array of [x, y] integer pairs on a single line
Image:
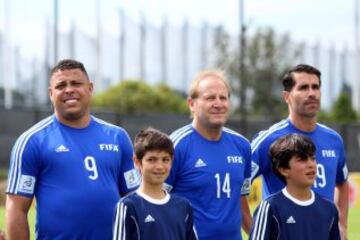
{"points": [[329, 22]]}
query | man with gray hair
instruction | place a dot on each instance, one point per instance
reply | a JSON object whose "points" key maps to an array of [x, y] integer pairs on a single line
{"points": [[211, 162]]}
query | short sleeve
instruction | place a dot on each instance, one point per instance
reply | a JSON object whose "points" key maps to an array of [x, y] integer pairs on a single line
{"points": [[124, 222], [24, 167], [264, 226], [342, 170], [259, 157], [130, 177], [245, 189], [334, 228], [190, 228]]}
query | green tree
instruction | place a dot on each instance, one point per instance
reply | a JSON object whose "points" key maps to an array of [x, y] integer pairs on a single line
{"points": [[266, 57], [134, 96], [168, 100], [342, 110]]}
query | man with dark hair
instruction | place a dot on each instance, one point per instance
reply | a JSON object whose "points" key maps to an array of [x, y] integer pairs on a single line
{"points": [[302, 94], [295, 212], [288, 81], [75, 165]]}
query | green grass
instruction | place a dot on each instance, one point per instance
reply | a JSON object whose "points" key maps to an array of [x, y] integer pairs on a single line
{"points": [[2, 218], [31, 220], [354, 222], [3, 174]]}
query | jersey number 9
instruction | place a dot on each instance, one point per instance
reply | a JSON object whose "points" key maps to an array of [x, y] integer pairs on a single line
{"points": [[321, 177], [90, 165]]}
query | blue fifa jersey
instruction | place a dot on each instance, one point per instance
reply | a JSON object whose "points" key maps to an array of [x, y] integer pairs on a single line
{"points": [[76, 175], [282, 217], [330, 157], [139, 216], [212, 175]]}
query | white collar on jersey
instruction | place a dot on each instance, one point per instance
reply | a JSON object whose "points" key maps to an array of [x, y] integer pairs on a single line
{"points": [[297, 201], [153, 200]]}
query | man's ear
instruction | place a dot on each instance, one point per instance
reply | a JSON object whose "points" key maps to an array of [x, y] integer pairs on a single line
{"points": [[91, 87], [190, 102], [285, 96]]}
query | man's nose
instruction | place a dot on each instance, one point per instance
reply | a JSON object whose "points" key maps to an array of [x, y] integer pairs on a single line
{"points": [[69, 88], [217, 102], [313, 91]]}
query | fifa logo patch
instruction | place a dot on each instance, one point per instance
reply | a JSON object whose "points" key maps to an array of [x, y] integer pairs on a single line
{"points": [[27, 184], [132, 178], [328, 153], [234, 159], [109, 147], [246, 186]]}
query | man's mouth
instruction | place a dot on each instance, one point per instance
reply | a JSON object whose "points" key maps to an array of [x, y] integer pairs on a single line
{"points": [[312, 102], [71, 101]]}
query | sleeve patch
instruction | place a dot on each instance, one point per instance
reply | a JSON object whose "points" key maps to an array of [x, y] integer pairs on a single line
{"points": [[27, 184], [132, 178], [245, 189], [167, 187]]}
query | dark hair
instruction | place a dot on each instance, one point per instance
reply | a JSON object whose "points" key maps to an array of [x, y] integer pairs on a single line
{"points": [[152, 139], [288, 146], [288, 80], [68, 64]]}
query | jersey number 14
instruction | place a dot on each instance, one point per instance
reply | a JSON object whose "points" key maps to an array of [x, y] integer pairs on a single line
{"points": [[223, 185]]}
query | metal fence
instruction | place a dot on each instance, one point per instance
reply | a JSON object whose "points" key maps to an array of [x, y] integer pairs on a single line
{"points": [[14, 122], [141, 49]]}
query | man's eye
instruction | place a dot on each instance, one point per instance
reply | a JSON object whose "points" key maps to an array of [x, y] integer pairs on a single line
{"points": [[61, 86], [224, 98]]}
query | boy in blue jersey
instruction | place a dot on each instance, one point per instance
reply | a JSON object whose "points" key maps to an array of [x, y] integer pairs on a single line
{"points": [[212, 163], [75, 165], [302, 93], [150, 212], [296, 212]]}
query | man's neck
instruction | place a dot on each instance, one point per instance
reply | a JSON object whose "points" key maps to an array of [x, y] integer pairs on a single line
{"points": [[303, 123], [211, 134], [75, 123]]}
